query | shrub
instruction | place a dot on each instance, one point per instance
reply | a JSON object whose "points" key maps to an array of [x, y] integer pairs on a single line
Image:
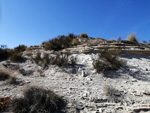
{"points": [[63, 60], [4, 75], [59, 42], [20, 48], [107, 62], [36, 46], [75, 41], [42, 61], [38, 100], [110, 91], [132, 38], [46, 60], [73, 61], [37, 59], [17, 57], [60, 60], [84, 35], [4, 54], [113, 94]]}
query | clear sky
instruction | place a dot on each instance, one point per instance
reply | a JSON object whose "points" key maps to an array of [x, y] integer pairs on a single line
{"points": [[31, 22]]}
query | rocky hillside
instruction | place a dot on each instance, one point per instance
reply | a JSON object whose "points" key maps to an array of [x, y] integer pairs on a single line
{"points": [[125, 90]]}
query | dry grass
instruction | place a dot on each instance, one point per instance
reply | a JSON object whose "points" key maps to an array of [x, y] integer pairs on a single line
{"points": [[132, 38]]}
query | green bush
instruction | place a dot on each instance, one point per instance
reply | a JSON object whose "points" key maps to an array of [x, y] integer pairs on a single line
{"points": [[20, 48], [36, 46], [132, 38], [84, 35], [38, 100], [4, 75], [59, 42], [17, 57], [107, 62]]}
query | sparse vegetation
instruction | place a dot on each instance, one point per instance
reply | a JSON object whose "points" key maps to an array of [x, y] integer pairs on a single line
{"points": [[42, 61], [75, 41], [5, 54], [73, 61], [38, 100], [63, 60], [4, 75], [38, 58], [36, 46], [132, 38], [114, 94], [107, 62], [20, 48], [59, 43], [84, 35], [17, 57], [110, 91]]}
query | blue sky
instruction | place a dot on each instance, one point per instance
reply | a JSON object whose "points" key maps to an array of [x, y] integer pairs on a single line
{"points": [[31, 22]]}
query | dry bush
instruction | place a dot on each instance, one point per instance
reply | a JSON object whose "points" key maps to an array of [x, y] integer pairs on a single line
{"points": [[75, 41], [17, 57], [132, 38], [84, 35], [20, 48], [114, 94], [73, 61], [110, 91], [63, 60], [38, 100], [38, 58], [42, 61], [107, 62], [4, 75], [60, 42], [4, 54]]}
